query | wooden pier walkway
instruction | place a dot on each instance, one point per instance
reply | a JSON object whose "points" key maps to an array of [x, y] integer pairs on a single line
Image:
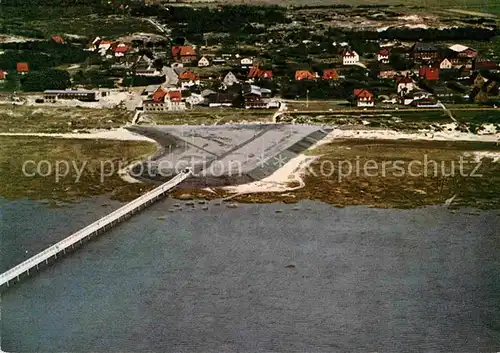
{"points": [[93, 229]]}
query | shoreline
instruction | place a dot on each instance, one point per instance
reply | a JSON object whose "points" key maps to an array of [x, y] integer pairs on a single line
{"points": [[286, 178], [292, 171]]}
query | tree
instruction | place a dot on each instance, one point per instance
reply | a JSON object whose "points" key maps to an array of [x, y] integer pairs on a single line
{"points": [[42, 80]]}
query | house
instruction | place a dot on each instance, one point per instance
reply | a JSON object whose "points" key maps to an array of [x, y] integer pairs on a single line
{"points": [[58, 39], [429, 73], [257, 72], [183, 53], [120, 49], [203, 62], [195, 99], [429, 102], [246, 62], [350, 57], [3, 75], [383, 55], [220, 100], [481, 64], [94, 45], [445, 64], [219, 61], [363, 98], [424, 51], [22, 68], [189, 79], [164, 100], [386, 72], [188, 75], [256, 97], [463, 51], [51, 96], [304, 75], [230, 79], [103, 46], [149, 72], [330, 74], [405, 85]]}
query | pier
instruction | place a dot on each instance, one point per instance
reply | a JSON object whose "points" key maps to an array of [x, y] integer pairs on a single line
{"points": [[100, 226]]}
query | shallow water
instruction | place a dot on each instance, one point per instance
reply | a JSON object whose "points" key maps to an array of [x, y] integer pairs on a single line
{"points": [[248, 279]]}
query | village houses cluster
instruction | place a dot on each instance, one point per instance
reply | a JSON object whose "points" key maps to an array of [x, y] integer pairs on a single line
{"points": [[185, 76]]}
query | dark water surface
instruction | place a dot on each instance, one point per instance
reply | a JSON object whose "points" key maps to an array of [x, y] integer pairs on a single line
{"points": [[248, 279]]}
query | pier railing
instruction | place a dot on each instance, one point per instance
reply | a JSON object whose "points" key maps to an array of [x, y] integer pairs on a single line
{"points": [[94, 228]]}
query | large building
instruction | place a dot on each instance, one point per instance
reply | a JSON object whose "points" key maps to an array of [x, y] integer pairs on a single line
{"points": [[164, 101], [51, 96], [257, 98], [425, 52]]}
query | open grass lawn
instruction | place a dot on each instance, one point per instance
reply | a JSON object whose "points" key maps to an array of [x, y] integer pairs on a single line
{"points": [[89, 156], [16, 119]]}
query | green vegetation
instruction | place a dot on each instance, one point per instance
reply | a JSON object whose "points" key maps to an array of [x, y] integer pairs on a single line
{"points": [[41, 54], [87, 155], [391, 189], [39, 81], [19, 119], [87, 19], [210, 116]]}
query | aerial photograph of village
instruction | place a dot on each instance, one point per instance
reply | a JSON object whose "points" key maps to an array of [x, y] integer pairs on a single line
{"points": [[250, 176]]}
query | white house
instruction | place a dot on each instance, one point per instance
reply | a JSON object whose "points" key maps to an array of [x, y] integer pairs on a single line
{"points": [[203, 62], [405, 85], [246, 62], [350, 57], [230, 79], [445, 64], [163, 101], [195, 99]]}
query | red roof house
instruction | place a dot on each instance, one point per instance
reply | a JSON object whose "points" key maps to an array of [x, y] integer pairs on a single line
{"points": [[3, 75], [383, 55], [58, 39], [257, 72], [363, 97], [330, 74], [159, 95], [485, 65], [120, 49], [304, 75], [175, 96], [188, 76], [429, 73], [22, 68], [183, 53]]}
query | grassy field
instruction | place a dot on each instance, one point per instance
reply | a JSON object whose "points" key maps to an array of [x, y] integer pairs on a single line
{"points": [[403, 120], [376, 181], [59, 120], [90, 156], [211, 116], [71, 20]]}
